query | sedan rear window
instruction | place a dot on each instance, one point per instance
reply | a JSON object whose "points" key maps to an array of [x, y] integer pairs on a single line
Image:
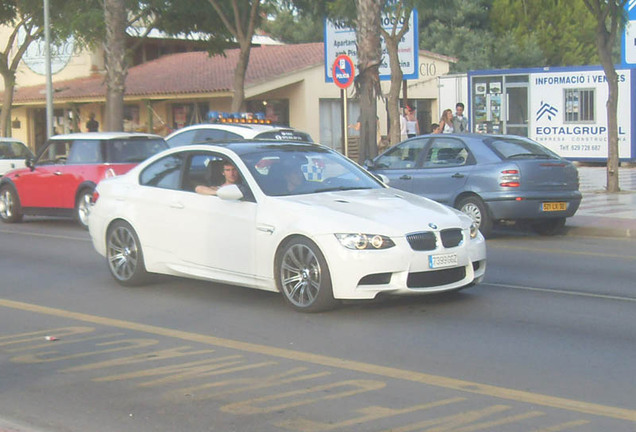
{"points": [[511, 148]]}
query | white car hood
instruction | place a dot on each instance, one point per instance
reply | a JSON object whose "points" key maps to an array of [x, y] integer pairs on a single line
{"points": [[389, 210]]}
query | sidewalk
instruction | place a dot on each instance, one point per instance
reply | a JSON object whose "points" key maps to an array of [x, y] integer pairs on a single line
{"points": [[602, 214]]}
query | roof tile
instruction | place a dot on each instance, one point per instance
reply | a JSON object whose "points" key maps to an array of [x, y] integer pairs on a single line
{"points": [[188, 73]]}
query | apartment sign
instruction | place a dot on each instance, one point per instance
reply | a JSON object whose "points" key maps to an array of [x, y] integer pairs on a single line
{"points": [[340, 39]]}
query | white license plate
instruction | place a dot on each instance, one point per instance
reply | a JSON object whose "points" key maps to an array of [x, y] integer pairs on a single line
{"points": [[439, 261]]}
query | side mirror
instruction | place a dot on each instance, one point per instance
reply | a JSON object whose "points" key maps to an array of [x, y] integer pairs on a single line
{"points": [[230, 193], [29, 163], [368, 164], [383, 178]]}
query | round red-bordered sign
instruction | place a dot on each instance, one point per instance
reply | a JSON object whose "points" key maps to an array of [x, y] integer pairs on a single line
{"points": [[343, 71]]}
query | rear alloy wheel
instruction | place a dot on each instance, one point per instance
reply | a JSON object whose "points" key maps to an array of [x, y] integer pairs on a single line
{"points": [[10, 209], [124, 255], [83, 207], [303, 277], [549, 227], [475, 208]]}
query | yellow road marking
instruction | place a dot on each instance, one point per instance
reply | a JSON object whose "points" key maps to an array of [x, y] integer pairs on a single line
{"points": [[382, 371]]}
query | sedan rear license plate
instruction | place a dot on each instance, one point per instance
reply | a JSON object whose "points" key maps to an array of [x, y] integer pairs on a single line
{"points": [[440, 261], [554, 206]]}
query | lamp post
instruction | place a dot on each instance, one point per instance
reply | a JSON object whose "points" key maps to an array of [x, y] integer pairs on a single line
{"points": [[47, 66]]}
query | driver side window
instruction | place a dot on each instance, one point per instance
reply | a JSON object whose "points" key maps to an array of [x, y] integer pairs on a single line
{"points": [[402, 156], [56, 152]]}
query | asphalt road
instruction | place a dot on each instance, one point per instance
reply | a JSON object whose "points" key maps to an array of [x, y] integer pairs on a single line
{"points": [[546, 343]]}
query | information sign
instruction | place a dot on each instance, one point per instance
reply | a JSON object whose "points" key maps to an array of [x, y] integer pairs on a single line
{"points": [[629, 37]]}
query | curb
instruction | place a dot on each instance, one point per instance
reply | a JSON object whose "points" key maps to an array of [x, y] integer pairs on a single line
{"points": [[599, 231]]}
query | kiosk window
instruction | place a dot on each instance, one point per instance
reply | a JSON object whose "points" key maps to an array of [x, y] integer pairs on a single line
{"points": [[579, 105]]}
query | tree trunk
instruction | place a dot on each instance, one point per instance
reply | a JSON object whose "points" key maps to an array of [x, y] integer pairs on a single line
{"points": [[7, 101], [115, 64], [368, 80], [608, 15], [239, 76], [394, 91], [392, 41]]}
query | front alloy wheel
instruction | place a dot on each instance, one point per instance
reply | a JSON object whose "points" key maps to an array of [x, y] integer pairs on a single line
{"points": [[303, 276], [124, 255], [10, 210]]}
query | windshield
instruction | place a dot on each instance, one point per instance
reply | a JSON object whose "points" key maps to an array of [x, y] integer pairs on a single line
{"points": [[286, 171]]}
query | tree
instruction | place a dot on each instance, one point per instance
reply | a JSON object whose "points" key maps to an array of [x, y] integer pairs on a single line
{"points": [[400, 11], [240, 18], [287, 23], [26, 19], [115, 18], [543, 22], [120, 15], [462, 29], [368, 15], [610, 17]]}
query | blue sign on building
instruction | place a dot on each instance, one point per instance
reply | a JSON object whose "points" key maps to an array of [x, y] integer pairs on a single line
{"points": [[629, 37]]}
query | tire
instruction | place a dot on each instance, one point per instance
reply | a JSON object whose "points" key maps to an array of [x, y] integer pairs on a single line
{"points": [[302, 276], [10, 208], [549, 227], [124, 255], [83, 207], [474, 207]]}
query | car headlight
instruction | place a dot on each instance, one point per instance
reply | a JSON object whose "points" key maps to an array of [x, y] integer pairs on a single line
{"points": [[360, 241], [474, 231]]}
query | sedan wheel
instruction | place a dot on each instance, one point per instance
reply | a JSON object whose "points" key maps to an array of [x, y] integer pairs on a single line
{"points": [[475, 208], [125, 258], [83, 207], [303, 276], [10, 210]]}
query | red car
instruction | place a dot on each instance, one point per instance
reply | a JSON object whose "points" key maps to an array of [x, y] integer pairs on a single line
{"points": [[60, 181]]}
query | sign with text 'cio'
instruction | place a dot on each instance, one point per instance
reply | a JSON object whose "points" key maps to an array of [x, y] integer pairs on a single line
{"points": [[340, 39]]}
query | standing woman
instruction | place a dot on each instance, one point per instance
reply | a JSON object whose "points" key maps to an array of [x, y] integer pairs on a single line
{"points": [[412, 126], [446, 122]]}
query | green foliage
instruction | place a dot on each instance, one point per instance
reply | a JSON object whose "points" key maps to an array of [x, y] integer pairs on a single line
{"points": [[287, 24], [563, 29], [182, 17]]}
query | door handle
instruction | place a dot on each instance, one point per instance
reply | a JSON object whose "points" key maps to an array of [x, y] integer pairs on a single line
{"points": [[57, 173], [458, 175], [269, 229], [177, 205], [406, 177]]}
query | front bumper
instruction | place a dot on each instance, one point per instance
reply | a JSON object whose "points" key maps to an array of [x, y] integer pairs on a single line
{"points": [[401, 270]]}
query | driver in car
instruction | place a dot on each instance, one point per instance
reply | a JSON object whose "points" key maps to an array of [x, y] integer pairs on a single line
{"points": [[231, 176]]}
